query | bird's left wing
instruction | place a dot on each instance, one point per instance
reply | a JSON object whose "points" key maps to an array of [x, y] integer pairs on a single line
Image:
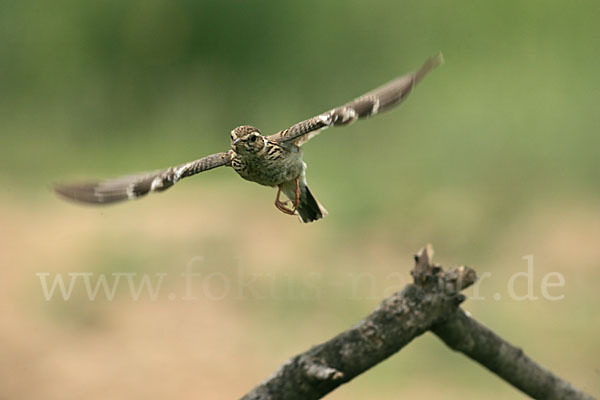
{"points": [[369, 104], [133, 186]]}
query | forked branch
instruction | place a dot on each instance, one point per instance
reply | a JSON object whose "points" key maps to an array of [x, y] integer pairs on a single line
{"points": [[431, 302]]}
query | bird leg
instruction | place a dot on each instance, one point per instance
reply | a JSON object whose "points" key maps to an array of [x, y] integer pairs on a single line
{"points": [[297, 197], [282, 205]]}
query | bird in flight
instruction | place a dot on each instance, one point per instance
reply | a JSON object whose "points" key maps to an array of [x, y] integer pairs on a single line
{"points": [[274, 160]]}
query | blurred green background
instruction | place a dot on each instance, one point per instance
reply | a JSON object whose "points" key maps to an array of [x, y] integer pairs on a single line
{"points": [[492, 158]]}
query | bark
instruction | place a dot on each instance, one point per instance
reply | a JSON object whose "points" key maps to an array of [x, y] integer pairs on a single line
{"points": [[462, 333]]}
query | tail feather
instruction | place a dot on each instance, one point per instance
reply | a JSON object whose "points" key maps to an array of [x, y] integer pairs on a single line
{"points": [[309, 209]]}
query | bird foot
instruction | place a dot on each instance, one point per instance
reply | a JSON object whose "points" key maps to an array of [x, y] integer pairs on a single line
{"points": [[282, 206]]}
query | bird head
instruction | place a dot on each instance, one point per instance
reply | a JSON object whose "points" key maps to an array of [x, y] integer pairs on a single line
{"points": [[246, 139]]}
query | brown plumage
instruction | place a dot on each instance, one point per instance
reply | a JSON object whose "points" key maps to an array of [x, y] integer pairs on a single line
{"points": [[274, 160]]}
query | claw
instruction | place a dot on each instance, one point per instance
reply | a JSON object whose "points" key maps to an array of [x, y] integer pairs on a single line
{"points": [[282, 205]]}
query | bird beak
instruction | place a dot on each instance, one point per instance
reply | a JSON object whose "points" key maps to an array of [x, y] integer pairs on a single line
{"points": [[236, 141]]}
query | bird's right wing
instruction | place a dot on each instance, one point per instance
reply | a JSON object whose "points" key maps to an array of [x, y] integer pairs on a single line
{"points": [[133, 186]]}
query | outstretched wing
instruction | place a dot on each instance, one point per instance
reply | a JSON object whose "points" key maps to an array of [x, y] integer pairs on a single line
{"points": [[133, 186], [369, 104]]}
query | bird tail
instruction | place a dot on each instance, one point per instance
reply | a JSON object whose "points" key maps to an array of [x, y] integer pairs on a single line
{"points": [[309, 208]]}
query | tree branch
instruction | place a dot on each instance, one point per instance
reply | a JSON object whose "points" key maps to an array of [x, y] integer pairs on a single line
{"points": [[431, 302], [462, 333]]}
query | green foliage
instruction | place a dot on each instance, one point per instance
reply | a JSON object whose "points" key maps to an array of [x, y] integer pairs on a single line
{"points": [[124, 85]]}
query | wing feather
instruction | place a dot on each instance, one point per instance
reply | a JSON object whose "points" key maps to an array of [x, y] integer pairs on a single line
{"points": [[131, 187], [369, 104]]}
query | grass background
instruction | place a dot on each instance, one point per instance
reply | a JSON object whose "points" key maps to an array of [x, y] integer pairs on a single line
{"points": [[493, 157]]}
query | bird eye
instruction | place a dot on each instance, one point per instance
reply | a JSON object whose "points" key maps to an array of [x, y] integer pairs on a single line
{"points": [[252, 139]]}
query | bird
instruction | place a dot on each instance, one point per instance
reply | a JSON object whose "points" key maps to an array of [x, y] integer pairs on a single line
{"points": [[274, 160]]}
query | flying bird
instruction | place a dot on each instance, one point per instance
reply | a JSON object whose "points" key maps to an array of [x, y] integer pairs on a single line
{"points": [[274, 160]]}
